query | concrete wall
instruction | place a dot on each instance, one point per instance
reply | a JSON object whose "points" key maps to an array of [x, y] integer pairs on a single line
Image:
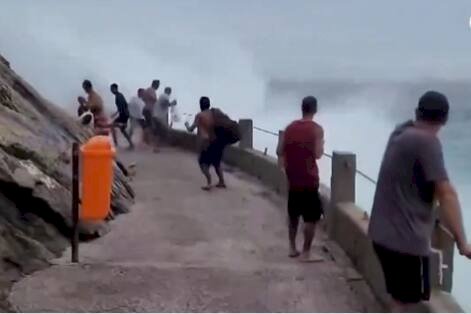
{"points": [[346, 223]]}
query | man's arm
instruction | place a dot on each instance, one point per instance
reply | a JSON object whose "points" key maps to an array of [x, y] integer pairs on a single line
{"points": [[319, 151], [117, 103], [193, 126], [450, 212], [430, 155]]}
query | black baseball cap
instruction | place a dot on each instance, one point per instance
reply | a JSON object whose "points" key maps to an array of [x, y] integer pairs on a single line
{"points": [[433, 107]]}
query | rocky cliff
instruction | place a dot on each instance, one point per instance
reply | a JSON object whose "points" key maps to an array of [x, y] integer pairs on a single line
{"points": [[35, 178]]}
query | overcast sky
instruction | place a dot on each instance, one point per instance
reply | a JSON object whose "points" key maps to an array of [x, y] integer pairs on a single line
{"points": [[215, 46]]}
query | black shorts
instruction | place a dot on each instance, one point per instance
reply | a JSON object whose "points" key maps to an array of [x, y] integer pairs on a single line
{"points": [[406, 276], [212, 154], [306, 204]]}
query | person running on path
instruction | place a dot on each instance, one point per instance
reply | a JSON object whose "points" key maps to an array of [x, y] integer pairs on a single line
{"points": [[164, 103], [95, 104], [150, 99], [136, 106], [121, 116], [160, 122], [411, 178], [211, 148], [299, 149]]}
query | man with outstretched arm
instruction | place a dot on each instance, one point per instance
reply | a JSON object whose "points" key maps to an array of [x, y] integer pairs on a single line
{"points": [[411, 179], [299, 149], [211, 148]]}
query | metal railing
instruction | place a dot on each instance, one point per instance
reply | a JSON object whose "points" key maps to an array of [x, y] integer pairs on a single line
{"points": [[359, 172], [269, 132]]}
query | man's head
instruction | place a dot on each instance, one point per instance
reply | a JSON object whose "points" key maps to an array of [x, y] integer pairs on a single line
{"points": [[81, 100], [87, 86], [168, 90], [309, 107], [155, 84], [205, 104], [433, 109], [140, 92], [114, 88]]}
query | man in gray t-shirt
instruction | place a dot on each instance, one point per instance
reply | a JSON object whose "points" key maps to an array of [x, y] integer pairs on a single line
{"points": [[411, 178]]}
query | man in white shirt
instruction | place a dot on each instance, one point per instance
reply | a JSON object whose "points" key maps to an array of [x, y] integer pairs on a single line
{"points": [[160, 122], [136, 106], [161, 109]]}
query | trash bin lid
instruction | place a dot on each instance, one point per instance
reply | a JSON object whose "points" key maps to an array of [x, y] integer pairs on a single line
{"points": [[99, 144]]}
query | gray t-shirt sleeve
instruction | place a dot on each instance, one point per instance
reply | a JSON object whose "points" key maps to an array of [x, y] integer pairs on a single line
{"points": [[432, 161]]}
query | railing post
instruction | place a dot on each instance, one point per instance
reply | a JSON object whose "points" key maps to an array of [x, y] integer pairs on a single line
{"points": [[342, 182], [342, 185], [246, 130]]}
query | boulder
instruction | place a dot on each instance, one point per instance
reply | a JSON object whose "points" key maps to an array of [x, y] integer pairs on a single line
{"points": [[35, 177]]}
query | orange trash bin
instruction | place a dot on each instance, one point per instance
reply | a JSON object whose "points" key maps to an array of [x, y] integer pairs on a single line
{"points": [[97, 178]]}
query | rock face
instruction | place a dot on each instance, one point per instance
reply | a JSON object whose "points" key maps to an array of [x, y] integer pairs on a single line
{"points": [[35, 178]]}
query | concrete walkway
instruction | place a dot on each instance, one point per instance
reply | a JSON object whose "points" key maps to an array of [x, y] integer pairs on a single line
{"points": [[182, 249]]}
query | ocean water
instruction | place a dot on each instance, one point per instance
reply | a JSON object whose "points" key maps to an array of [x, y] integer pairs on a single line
{"points": [[358, 117], [230, 50]]}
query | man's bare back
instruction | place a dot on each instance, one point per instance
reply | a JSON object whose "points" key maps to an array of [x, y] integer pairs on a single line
{"points": [[150, 98], [95, 103]]}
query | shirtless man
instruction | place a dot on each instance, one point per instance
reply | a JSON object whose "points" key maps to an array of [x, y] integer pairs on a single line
{"points": [[95, 104], [150, 99], [210, 148]]}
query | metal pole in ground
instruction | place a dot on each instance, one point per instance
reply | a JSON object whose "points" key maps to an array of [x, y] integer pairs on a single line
{"points": [[75, 203]]}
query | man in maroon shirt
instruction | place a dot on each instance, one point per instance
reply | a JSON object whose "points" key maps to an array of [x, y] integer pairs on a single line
{"points": [[302, 144]]}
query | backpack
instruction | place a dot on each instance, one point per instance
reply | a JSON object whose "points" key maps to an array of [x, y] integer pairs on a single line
{"points": [[225, 129]]}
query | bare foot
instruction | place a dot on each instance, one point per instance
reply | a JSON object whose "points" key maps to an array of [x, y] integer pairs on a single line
{"points": [[206, 188], [294, 253], [306, 257], [221, 185]]}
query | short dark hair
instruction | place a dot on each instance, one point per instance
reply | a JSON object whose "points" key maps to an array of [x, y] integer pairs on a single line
{"points": [[205, 103], [168, 90], [155, 83], [433, 107], [87, 84], [309, 105], [114, 86]]}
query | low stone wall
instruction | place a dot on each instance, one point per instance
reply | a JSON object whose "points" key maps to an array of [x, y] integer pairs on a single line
{"points": [[346, 223]]}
